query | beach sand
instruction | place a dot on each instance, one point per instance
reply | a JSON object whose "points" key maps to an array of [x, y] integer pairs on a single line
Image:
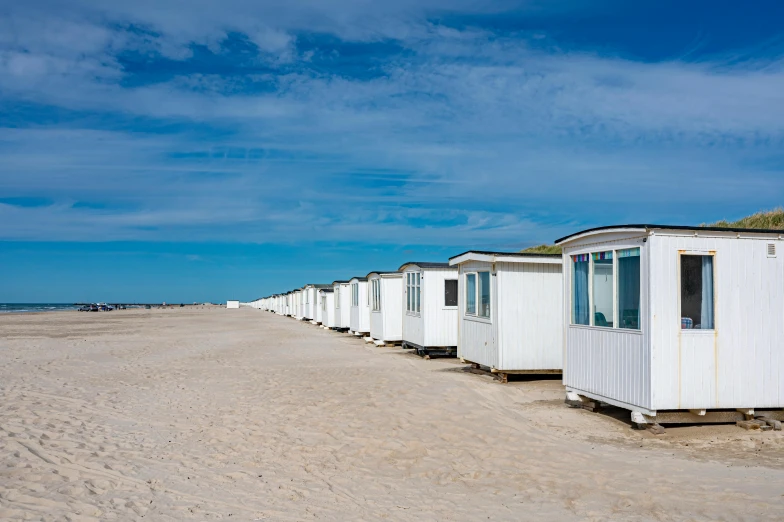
{"points": [[203, 414]]}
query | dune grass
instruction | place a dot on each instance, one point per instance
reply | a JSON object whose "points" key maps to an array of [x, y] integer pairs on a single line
{"points": [[763, 220], [542, 249], [766, 219]]}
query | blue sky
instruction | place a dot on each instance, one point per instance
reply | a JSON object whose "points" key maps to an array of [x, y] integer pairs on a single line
{"points": [[189, 150]]}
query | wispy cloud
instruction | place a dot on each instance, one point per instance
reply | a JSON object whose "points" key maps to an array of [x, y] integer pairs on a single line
{"points": [[338, 121]]}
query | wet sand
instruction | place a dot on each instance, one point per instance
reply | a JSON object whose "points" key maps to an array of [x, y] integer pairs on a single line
{"points": [[204, 414]]}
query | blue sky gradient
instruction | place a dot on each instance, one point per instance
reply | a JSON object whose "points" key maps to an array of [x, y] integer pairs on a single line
{"points": [[196, 150]]}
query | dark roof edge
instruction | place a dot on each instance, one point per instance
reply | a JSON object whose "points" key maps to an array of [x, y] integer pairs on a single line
{"points": [[424, 264], [516, 254], [673, 227]]}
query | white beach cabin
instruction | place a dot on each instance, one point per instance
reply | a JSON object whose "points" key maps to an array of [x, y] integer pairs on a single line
{"points": [[342, 302], [510, 309], [232, 304], [676, 324], [386, 307], [308, 312], [430, 308], [326, 307], [360, 307], [297, 306]]}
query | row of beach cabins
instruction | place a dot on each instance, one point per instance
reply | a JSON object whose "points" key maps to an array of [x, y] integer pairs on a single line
{"points": [[676, 324]]}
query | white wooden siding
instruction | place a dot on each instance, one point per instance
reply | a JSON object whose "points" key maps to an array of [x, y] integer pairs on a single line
{"points": [[435, 325], [477, 336], [741, 363], [360, 315], [328, 315], [608, 363], [413, 324], [342, 314], [529, 315]]}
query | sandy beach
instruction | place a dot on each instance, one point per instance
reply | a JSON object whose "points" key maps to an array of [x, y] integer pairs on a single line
{"points": [[206, 414]]}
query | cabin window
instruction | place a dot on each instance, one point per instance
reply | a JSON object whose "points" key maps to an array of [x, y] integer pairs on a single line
{"points": [[323, 303], [450, 292], [697, 311], [337, 297], [580, 297], [603, 311], [471, 294], [413, 292], [484, 294], [376, 294], [629, 289], [354, 294]]}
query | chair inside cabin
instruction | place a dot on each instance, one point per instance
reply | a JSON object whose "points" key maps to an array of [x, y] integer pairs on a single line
{"points": [[600, 320]]}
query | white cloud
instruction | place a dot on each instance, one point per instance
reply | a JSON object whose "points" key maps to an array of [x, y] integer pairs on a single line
{"points": [[493, 136]]}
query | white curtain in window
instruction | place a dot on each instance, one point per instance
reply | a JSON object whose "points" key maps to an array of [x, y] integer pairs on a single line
{"points": [[707, 293]]}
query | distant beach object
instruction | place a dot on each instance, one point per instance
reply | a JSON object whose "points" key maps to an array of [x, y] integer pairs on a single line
{"points": [[232, 304]]}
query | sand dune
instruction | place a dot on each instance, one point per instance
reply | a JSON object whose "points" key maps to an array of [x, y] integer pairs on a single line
{"points": [[211, 414]]}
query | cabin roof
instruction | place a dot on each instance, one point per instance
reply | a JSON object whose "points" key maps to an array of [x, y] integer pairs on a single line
{"points": [[644, 227], [382, 272], [358, 279], [341, 282], [508, 254], [424, 264]]}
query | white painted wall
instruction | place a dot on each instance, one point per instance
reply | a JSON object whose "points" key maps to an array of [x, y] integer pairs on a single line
{"points": [[360, 315], [525, 327], [435, 325], [327, 310], [740, 364], [342, 305], [386, 324]]}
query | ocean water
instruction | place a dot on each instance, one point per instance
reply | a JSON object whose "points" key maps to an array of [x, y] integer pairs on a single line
{"points": [[7, 308]]}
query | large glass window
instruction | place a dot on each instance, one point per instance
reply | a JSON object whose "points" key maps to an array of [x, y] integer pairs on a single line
{"points": [[697, 292], [484, 294], [580, 297], [603, 289], [629, 288], [471, 294], [450, 292]]}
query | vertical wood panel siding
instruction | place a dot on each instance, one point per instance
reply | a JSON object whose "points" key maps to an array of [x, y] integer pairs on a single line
{"points": [[387, 323], [440, 323], [413, 324], [328, 315], [530, 318], [610, 363], [360, 315], [477, 341], [740, 365]]}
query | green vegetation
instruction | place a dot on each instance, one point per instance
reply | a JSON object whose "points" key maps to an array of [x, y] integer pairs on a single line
{"points": [[542, 249], [767, 219], [764, 220]]}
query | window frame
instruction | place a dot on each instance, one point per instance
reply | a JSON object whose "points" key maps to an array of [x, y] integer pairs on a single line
{"points": [[615, 272], [457, 295], [475, 316], [376, 295], [414, 293], [700, 331]]}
